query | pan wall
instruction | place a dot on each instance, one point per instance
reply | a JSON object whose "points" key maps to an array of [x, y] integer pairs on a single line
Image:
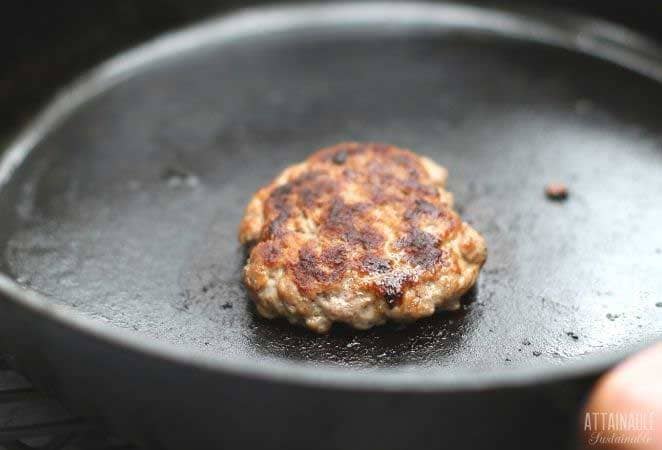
{"points": [[46, 44]]}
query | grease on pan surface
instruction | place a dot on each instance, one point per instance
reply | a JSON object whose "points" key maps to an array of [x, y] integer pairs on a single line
{"points": [[359, 233]]}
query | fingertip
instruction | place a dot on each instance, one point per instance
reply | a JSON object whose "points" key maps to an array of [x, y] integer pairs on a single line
{"points": [[625, 408]]}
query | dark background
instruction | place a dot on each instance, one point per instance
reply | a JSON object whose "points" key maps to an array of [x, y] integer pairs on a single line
{"points": [[44, 44]]}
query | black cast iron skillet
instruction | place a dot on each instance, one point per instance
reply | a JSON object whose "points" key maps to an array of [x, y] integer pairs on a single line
{"points": [[120, 203]]}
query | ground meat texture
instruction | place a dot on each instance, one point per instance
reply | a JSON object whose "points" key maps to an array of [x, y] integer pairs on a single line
{"points": [[359, 233]]}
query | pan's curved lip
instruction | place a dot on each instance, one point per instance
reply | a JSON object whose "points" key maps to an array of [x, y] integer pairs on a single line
{"points": [[594, 37], [301, 374], [297, 373]]}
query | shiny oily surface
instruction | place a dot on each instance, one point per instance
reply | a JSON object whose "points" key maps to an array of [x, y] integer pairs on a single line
{"points": [[127, 209]]}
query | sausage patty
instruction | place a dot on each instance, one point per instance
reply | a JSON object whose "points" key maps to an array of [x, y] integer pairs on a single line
{"points": [[358, 233]]}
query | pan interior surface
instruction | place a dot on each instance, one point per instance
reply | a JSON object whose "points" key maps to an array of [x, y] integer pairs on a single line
{"points": [[127, 209]]}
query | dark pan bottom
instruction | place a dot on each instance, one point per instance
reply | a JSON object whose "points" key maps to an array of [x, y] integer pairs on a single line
{"points": [[127, 211]]}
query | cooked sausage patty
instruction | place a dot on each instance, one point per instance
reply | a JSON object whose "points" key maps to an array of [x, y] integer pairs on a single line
{"points": [[358, 233]]}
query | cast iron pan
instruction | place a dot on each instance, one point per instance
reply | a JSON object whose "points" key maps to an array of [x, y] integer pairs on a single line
{"points": [[120, 206]]}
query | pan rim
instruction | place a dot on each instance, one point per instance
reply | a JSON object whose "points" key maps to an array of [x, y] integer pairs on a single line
{"points": [[297, 373], [592, 37]]}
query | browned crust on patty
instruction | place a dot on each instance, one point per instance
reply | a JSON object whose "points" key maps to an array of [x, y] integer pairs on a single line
{"points": [[358, 233]]}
